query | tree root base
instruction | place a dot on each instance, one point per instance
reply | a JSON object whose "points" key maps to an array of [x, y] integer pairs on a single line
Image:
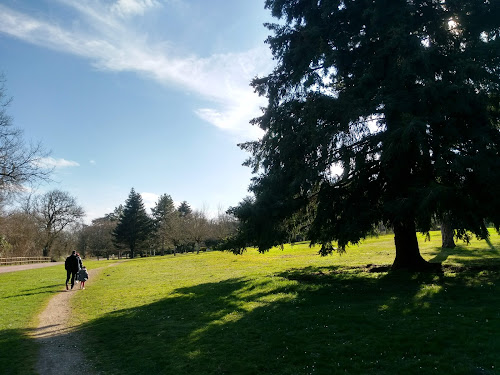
{"points": [[421, 266]]}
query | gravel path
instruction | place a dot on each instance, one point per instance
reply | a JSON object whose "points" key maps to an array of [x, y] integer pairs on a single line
{"points": [[59, 342]]}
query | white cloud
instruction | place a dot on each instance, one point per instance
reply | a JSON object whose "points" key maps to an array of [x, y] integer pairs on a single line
{"points": [[126, 8], [103, 36], [93, 162], [149, 200], [50, 162]]}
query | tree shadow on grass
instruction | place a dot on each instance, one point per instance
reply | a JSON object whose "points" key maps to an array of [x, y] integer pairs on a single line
{"points": [[49, 289], [17, 352], [313, 320], [465, 255]]}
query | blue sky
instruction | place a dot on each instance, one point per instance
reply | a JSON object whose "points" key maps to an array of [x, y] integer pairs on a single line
{"points": [[149, 94]]}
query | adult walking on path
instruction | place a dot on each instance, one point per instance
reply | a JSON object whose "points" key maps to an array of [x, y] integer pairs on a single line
{"points": [[72, 265]]}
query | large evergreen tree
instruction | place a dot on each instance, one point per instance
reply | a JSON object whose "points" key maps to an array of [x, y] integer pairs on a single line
{"points": [[163, 208], [162, 216], [184, 209], [134, 225], [398, 94]]}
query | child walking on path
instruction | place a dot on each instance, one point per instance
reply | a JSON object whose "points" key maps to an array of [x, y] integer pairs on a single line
{"points": [[82, 276]]}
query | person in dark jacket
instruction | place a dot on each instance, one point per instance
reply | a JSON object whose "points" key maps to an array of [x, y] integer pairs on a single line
{"points": [[72, 266]]}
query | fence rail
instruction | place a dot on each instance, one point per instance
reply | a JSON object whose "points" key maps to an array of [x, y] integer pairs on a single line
{"points": [[22, 260]]}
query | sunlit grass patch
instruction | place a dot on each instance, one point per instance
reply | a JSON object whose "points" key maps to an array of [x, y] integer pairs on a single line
{"points": [[291, 311], [283, 312], [23, 295]]}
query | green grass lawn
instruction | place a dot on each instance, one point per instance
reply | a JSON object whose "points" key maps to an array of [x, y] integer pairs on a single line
{"points": [[22, 295], [287, 312]]}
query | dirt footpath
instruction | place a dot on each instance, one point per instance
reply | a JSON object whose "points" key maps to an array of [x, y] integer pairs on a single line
{"points": [[60, 346]]}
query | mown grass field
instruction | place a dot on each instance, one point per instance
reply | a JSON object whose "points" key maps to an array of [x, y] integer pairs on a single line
{"points": [[283, 312], [21, 296]]}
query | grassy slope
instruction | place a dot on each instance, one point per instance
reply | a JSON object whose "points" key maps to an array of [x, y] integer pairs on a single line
{"points": [[292, 312], [284, 312]]}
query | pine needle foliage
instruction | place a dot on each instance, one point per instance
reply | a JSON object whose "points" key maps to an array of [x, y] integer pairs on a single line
{"points": [[402, 97], [134, 226]]}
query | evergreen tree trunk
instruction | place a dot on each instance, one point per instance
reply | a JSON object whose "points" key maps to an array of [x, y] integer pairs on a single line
{"points": [[447, 233], [407, 252]]}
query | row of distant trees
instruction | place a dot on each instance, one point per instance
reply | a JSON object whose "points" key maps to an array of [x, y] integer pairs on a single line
{"points": [[51, 224], [43, 225], [130, 230]]}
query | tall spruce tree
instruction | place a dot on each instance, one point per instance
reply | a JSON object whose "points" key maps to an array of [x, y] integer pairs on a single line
{"points": [[134, 225], [162, 215], [398, 94], [184, 209], [163, 208]]}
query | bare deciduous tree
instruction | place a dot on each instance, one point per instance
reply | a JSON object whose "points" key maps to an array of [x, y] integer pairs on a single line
{"points": [[225, 224], [97, 239], [198, 227], [54, 212], [20, 234]]}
